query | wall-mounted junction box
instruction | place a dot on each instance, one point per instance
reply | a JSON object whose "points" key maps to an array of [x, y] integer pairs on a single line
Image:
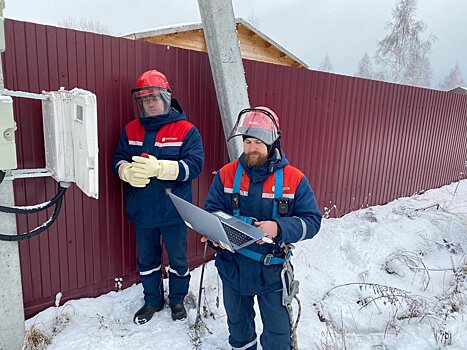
{"points": [[70, 136]]}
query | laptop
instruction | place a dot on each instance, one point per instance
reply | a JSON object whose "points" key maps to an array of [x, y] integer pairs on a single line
{"points": [[230, 232]]}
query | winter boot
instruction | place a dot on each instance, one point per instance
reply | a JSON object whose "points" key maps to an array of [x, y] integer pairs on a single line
{"points": [[144, 314], [178, 312]]}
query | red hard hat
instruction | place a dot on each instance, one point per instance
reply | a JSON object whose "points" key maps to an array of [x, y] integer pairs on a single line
{"points": [[152, 78], [150, 82]]}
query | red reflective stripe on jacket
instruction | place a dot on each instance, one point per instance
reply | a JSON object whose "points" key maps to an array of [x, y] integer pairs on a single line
{"points": [[173, 132], [227, 174], [135, 131], [169, 133], [292, 178]]}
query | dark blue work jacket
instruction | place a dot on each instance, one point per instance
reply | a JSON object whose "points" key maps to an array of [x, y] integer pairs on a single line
{"points": [[169, 137], [302, 221]]}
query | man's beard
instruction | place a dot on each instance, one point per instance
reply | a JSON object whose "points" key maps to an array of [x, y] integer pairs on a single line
{"points": [[254, 159]]}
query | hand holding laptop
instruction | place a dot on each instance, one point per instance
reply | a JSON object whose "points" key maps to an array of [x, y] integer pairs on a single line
{"points": [[270, 228], [215, 244], [227, 231], [204, 239]]}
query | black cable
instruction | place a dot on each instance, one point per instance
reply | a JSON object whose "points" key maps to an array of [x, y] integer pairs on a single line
{"points": [[36, 208], [45, 226]]}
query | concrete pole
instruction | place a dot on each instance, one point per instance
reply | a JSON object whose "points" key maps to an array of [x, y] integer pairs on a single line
{"points": [[11, 292], [226, 65]]}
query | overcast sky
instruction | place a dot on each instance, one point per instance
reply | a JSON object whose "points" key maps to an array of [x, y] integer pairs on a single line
{"points": [[310, 29]]}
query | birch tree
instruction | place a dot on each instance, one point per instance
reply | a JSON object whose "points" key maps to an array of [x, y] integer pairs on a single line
{"points": [[85, 24], [454, 79], [365, 67], [403, 54], [326, 65]]}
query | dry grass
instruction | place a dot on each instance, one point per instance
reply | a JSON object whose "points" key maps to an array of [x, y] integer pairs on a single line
{"points": [[36, 339], [40, 339], [406, 306]]}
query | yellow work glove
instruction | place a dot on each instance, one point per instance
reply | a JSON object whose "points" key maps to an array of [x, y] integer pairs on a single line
{"points": [[151, 166], [127, 173], [169, 170], [147, 166]]}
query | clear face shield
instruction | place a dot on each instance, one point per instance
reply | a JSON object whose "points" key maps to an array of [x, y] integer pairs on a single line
{"points": [[257, 123], [151, 101]]}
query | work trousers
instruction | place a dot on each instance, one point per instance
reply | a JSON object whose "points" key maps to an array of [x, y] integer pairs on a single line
{"points": [[241, 320], [150, 258]]}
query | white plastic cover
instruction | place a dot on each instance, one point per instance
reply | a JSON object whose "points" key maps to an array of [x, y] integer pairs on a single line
{"points": [[7, 134], [70, 135]]}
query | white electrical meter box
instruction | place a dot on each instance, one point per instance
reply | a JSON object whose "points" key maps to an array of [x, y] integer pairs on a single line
{"points": [[7, 134], [70, 137]]}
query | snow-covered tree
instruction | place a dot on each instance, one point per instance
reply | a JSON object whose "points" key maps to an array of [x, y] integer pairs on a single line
{"points": [[326, 65], [453, 80], [403, 54], [85, 24], [365, 67]]}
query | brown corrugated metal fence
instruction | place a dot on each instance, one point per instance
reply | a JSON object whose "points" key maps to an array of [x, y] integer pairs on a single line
{"points": [[363, 142], [359, 142]]}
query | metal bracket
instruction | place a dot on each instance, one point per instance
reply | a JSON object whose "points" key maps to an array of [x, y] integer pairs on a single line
{"points": [[24, 94], [28, 173]]}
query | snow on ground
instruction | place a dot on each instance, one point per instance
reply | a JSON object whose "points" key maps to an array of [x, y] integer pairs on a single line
{"points": [[383, 277]]}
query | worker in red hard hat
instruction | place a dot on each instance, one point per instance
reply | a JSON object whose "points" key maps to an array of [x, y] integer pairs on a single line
{"points": [[159, 152], [262, 189], [152, 94]]}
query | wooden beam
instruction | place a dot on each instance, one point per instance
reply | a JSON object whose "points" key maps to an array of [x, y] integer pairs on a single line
{"points": [[191, 40], [252, 45]]}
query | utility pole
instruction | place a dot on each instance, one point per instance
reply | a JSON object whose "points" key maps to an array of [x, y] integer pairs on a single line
{"points": [[226, 65], [11, 292]]}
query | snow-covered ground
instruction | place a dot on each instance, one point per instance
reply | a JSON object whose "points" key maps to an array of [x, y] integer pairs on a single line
{"points": [[383, 277]]}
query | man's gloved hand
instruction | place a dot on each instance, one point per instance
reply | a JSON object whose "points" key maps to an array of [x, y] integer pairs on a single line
{"points": [[127, 173], [162, 169], [146, 166]]}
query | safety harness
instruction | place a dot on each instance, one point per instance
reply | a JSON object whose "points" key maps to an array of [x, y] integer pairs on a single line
{"points": [[290, 286], [277, 258]]}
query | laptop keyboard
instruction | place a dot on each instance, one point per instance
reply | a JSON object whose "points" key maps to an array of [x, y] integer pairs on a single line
{"points": [[235, 236]]}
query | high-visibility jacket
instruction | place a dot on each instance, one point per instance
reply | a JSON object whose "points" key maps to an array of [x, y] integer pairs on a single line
{"points": [[169, 137], [302, 220]]}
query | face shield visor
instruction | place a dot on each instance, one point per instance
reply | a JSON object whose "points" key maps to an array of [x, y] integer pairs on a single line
{"points": [[258, 123], [151, 101]]}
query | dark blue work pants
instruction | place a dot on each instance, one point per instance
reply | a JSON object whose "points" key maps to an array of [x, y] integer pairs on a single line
{"points": [[149, 246], [241, 320]]}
